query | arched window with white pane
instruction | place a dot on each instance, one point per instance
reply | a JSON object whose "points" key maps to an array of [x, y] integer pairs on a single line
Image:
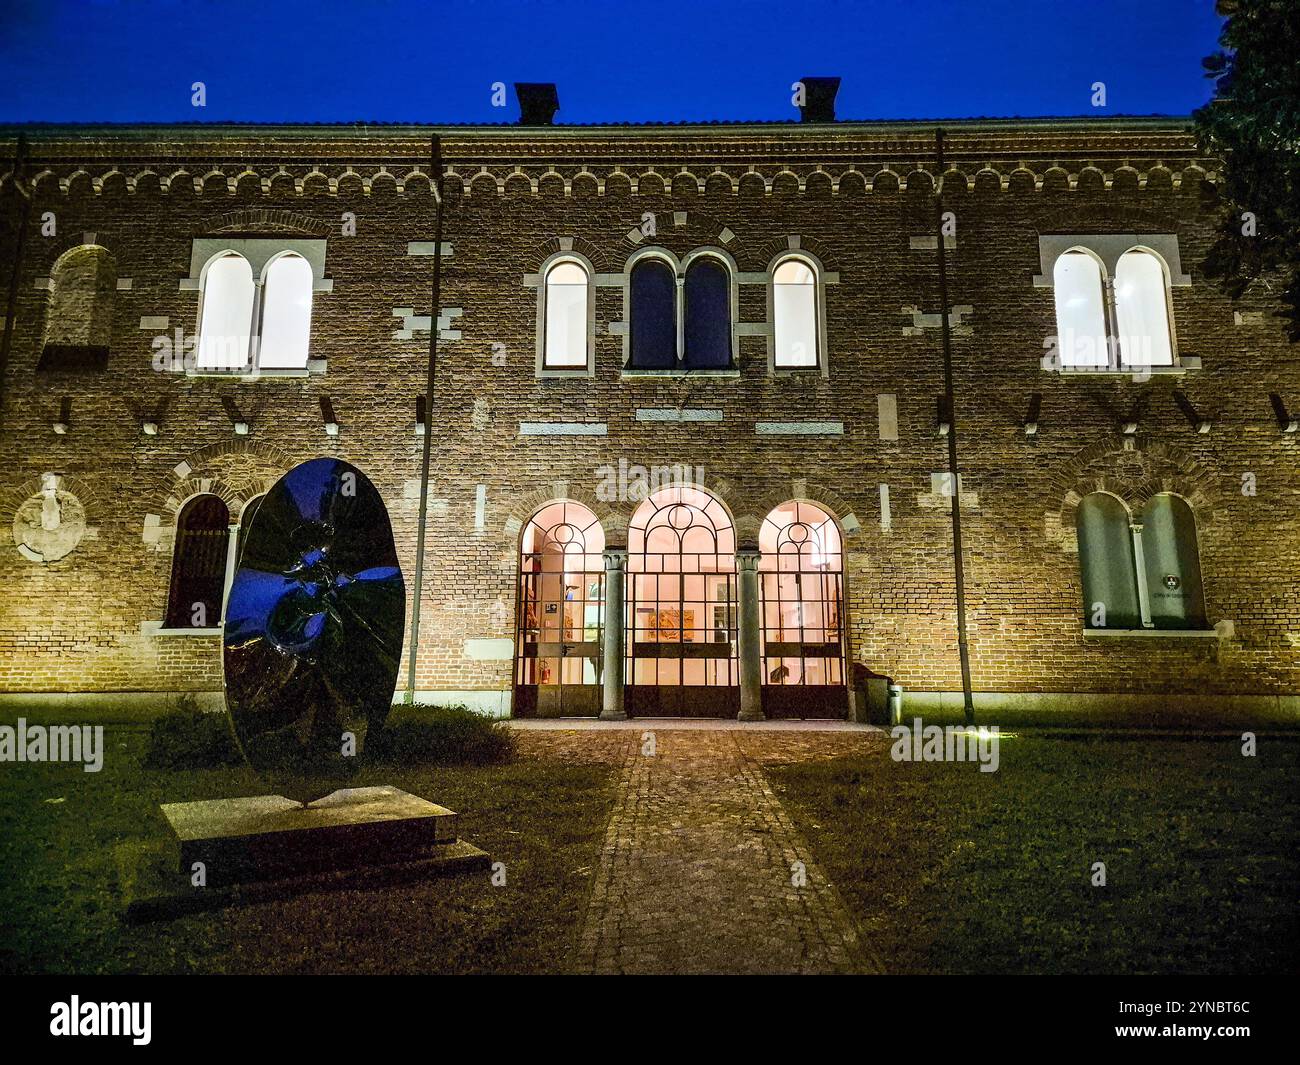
{"points": [[1172, 564], [285, 334], [1106, 564], [565, 314], [1080, 310], [1142, 310], [795, 315], [226, 319]]}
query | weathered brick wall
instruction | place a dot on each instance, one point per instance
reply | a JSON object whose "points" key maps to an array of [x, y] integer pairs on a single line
{"points": [[76, 623]]}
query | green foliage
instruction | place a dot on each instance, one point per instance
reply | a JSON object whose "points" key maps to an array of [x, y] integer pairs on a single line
{"points": [[440, 735], [190, 738], [1253, 125]]}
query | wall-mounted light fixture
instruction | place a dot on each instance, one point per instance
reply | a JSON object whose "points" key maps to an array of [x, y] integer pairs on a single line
{"points": [[1201, 425], [943, 417], [327, 414], [1031, 418], [1284, 421], [237, 421], [65, 417]]}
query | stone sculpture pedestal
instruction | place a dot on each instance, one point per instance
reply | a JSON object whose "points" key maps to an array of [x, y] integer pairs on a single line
{"points": [[268, 846]]}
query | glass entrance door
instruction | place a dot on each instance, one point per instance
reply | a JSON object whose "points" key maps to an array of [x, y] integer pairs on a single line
{"points": [[681, 607], [561, 613]]}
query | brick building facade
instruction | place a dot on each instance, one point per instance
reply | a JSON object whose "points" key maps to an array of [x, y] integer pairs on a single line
{"points": [[104, 442]]}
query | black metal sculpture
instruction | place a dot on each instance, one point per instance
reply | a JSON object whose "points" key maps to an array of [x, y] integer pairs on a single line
{"points": [[314, 627]]}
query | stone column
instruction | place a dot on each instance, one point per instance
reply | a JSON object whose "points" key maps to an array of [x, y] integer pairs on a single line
{"points": [[751, 667], [232, 546], [612, 671]]}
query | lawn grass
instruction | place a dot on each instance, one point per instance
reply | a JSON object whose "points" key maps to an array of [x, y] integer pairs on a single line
{"points": [[63, 863], [952, 870]]}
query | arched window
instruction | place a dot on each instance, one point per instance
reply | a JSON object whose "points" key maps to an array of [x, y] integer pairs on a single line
{"points": [[246, 517], [286, 314], [566, 316], [681, 602], [794, 313], [199, 564], [79, 323], [227, 319], [561, 612], [801, 572], [707, 329], [1142, 310], [1172, 563], [654, 317], [1080, 310], [1110, 593]]}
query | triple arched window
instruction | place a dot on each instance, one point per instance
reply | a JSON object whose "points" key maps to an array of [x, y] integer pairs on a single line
{"points": [[1112, 322], [1143, 571], [249, 323]]}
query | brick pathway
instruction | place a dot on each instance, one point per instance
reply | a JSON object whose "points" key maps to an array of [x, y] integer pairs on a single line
{"points": [[697, 867]]}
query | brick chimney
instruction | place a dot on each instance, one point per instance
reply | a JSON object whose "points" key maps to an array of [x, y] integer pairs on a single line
{"points": [[538, 102], [819, 99]]}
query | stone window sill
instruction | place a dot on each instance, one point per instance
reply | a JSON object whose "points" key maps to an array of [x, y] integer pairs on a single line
{"points": [[314, 368], [559, 373], [161, 631], [1188, 364], [626, 373], [1186, 634]]}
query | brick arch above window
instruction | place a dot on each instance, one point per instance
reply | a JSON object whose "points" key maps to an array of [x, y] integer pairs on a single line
{"points": [[234, 473], [264, 220], [525, 504], [801, 491], [1134, 474]]}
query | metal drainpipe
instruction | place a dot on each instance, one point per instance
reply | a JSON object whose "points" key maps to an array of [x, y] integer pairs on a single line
{"points": [[959, 571], [435, 153], [11, 305]]}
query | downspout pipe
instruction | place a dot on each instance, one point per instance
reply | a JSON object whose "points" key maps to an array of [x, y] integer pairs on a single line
{"points": [[11, 303], [413, 642], [954, 477]]}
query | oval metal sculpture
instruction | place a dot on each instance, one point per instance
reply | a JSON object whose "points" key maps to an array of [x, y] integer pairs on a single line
{"points": [[314, 627]]}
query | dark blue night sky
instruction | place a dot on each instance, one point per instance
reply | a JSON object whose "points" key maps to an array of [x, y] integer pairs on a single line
{"points": [[614, 61]]}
